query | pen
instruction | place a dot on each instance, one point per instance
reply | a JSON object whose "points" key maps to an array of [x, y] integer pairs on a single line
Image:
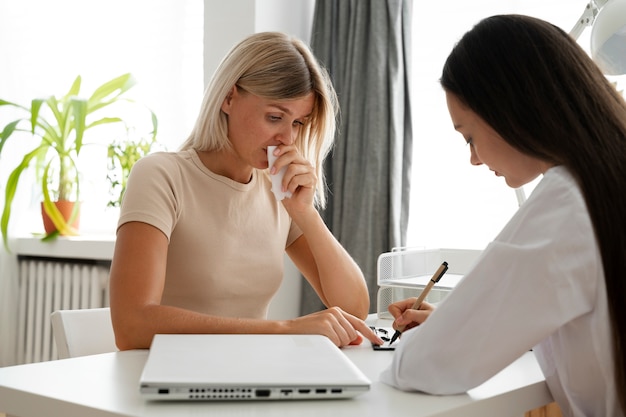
{"points": [[436, 277]]}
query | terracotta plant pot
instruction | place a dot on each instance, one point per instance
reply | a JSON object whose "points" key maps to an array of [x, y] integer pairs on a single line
{"points": [[66, 208]]}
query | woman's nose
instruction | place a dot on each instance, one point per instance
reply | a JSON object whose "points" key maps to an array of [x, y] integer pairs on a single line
{"points": [[288, 136], [474, 159]]}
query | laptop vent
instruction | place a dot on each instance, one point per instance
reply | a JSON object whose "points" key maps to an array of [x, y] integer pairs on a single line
{"points": [[221, 393]]}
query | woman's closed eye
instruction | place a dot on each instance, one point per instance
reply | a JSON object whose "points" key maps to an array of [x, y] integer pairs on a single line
{"points": [[273, 118]]}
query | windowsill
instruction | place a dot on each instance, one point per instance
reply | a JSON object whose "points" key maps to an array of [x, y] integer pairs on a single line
{"points": [[97, 247]]}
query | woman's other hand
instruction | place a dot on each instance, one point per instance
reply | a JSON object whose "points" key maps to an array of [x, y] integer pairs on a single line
{"points": [[340, 327]]}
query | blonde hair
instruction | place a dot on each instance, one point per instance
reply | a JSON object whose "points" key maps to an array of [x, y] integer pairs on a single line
{"points": [[273, 66]]}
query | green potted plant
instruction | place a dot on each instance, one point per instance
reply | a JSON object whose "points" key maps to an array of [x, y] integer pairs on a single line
{"points": [[122, 155], [58, 125]]}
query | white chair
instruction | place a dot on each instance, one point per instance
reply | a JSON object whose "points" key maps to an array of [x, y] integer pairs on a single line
{"points": [[83, 332]]}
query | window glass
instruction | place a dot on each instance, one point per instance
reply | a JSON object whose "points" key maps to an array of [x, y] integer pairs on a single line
{"points": [[455, 204], [45, 44]]}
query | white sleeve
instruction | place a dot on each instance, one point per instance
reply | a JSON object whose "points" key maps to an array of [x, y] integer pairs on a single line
{"points": [[514, 297]]}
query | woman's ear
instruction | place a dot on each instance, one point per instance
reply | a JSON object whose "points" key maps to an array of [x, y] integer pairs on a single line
{"points": [[226, 105]]}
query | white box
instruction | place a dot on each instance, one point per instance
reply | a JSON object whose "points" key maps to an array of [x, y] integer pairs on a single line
{"points": [[404, 273]]}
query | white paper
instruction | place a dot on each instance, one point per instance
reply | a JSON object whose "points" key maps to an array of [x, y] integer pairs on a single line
{"points": [[277, 179]]}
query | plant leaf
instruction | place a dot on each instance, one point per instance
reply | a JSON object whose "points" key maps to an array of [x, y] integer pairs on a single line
{"points": [[155, 125], [11, 187], [104, 120], [51, 236], [74, 89], [108, 92], [50, 133], [79, 110], [61, 115], [7, 132], [35, 106], [8, 103]]}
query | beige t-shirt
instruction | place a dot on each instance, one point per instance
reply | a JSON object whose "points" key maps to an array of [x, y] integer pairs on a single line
{"points": [[226, 239]]}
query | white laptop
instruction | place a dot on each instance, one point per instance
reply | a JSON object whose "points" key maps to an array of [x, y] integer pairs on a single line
{"points": [[210, 367]]}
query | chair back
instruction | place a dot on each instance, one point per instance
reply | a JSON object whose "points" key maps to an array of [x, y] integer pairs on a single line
{"points": [[83, 332]]}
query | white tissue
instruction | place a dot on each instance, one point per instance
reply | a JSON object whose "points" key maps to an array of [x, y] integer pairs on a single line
{"points": [[277, 179]]}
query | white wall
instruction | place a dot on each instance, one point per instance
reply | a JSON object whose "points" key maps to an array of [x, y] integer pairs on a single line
{"points": [[225, 24], [228, 22]]}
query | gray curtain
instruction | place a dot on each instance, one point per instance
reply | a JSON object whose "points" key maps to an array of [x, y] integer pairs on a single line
{"points": [[366, 47]]}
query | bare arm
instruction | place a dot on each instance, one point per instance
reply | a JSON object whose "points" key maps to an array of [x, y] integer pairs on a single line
{"points": [[329, 269], [326, 265]]}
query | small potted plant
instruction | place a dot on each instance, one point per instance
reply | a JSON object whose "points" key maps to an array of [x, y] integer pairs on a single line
{"points": [[122, 155], [58, 125]]}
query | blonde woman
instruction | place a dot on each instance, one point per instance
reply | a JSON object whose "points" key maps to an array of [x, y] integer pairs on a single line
{"points": [[201, 237]]}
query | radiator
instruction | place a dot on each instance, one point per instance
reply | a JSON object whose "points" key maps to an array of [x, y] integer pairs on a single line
{"points": [[49, 284]]}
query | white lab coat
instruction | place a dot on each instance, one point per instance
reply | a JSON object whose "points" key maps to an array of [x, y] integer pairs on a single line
{"points": [[539, 284]]}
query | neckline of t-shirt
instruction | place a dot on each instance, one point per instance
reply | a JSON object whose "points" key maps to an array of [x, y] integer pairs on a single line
{"points": [[225, 180]]}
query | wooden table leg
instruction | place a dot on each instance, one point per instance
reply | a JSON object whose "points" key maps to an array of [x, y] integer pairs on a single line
{"points": [[550, 410]]}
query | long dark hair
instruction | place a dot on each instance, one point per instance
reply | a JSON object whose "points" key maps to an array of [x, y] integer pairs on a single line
{"points": [[539, 90]]}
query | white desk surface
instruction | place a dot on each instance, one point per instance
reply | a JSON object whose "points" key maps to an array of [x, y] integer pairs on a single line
{"points": [[108, 385]]}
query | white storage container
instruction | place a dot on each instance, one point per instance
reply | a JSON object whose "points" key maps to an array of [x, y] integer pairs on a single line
{"points": [[404, 273]]}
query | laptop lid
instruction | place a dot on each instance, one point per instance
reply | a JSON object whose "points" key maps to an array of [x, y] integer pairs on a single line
{"points": [[248, 367]]}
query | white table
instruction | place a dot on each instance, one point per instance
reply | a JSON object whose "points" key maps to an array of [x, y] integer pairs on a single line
{"points": [[107, 385]]}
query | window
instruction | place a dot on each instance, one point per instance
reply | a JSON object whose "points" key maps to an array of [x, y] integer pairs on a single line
{"points": [[45, 44], [454, 204]]}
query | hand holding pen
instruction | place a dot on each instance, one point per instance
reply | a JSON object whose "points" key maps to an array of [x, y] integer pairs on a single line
{"points": [[435, 278]]}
